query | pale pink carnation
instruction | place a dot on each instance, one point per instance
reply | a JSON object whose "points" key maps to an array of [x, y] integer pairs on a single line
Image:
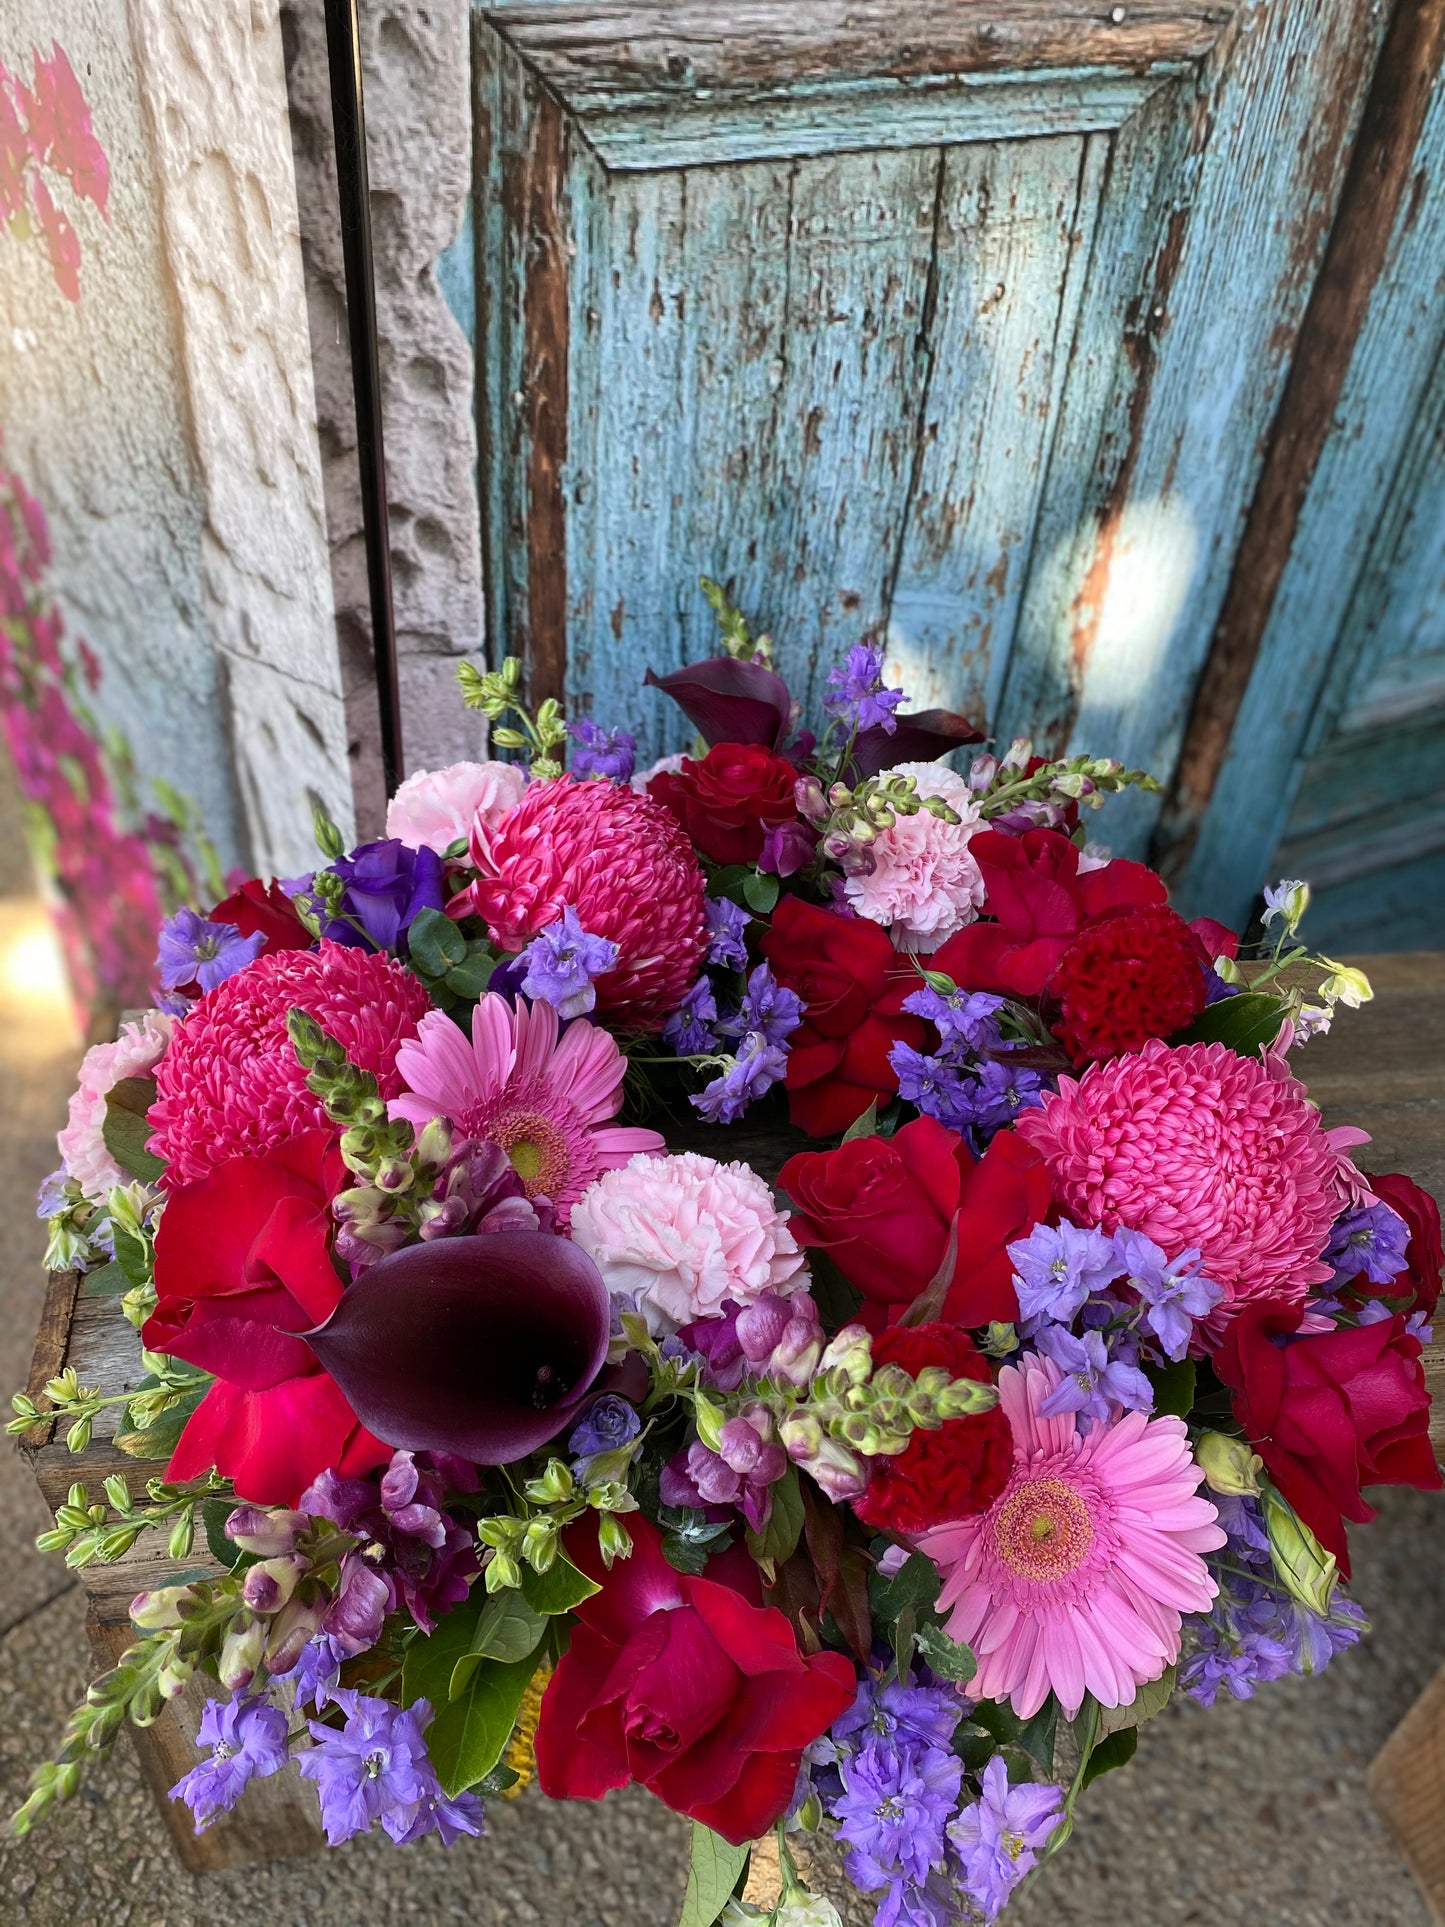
{"points": [[924, 885], [1076, 1578], [1199, 1147], [686, 1233], [543, 1094], [435, 807], [135, 1053]]}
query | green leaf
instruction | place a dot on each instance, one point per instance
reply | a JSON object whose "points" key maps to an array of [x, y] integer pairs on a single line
{"points": [[435, 942], [760, 891], [470, 1733], [711, 1876], [949, 1658], [1245, 1023], [132, 1257], [779, 1538], [1148, 1701], [507, 1629], [159, 1440], [915, 1584], [1116, 1750], [1173, 1388], [863, 1126], [470, 978], [214, 1514], [1037, 1736], [558, 1589], [125, 1129], [426, 1671], [109, 1281], [731, 881]]}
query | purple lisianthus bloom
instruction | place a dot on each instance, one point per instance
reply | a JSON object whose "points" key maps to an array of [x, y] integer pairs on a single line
{"points": [[421, 1556], [247, 1738], [562, 963], [769, 1009], [727, 926], [963, 1017], [997, 1840], [1369, 1242], [608, 1425], [611, 753], [195, 954], [1093, 1382], [689, 1030], [376, 1767], [891, 1813], [1057, 1267], [756, 1068], [1173, 1291], [856, 693], [387, 886]]}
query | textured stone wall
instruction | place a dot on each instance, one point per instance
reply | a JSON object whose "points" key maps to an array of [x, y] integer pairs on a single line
{"points": [[417, 76]]}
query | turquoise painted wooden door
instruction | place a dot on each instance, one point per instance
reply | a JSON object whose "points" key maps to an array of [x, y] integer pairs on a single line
{"points": [[960, 323]]}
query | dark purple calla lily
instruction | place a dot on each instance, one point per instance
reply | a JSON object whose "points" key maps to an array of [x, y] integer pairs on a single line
{"points": [[920, 738], [484, 1347], [728, 701]]}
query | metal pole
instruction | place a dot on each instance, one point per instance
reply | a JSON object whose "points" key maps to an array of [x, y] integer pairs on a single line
{"points": [[348, 114]]}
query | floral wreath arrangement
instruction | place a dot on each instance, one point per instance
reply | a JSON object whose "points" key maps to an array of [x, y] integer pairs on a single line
{"points": [[888, 1499]]}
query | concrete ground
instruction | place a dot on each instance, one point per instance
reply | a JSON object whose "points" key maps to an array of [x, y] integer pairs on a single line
{"points": [[1251, 1814]]}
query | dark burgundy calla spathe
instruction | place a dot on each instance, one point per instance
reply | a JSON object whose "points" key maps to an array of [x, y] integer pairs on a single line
{"points": [[728, 701], [920, 738], [483, 1346]]}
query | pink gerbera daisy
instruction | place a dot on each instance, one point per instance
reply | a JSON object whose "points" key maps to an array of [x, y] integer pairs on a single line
{"points": [[540, 1096], [1075, 1579]]}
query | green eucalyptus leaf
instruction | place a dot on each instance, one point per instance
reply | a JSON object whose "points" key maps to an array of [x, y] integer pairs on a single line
{"points": [[470, 977], [108, 1281], [1148, 1701], [712, 1875], [507, 1628], [125, 1129], [434, 942], [760, 891], [1246, 1023]]}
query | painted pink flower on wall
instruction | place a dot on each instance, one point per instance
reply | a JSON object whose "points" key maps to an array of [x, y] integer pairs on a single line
{"points": [[46, 137]]}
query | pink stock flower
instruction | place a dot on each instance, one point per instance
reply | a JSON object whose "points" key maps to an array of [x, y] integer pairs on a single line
{"points": [[518, 1084], [135, 1053], [436, 807], [1199, 1147], [686, 1232], [1075, 1579], [231, 1084], [624, 865]]}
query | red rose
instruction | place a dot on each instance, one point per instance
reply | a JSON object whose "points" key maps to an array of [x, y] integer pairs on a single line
{"points": [[957, 1469], [1330, 1414], [727, 802], [1127, 977], [1033, 887], [1423, 1253], [882, 1209], [265, 908], [687, 1685], [852, 983], [242, 1264]]}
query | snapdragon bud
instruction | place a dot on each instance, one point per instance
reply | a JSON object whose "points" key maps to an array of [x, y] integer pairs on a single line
{"points": [[1228, 1465], [242, 1652], [265, 1533], [795, 1357], [267, 1587], [850, 1352], [174, 1677], [154, 1612], [434, 1146], [293, 1628]]}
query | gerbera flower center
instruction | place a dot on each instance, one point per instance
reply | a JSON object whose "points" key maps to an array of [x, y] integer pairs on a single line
{"points": [[1043, 1530], [537, 1147]]}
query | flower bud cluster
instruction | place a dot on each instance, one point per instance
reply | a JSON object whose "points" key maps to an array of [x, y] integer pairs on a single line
{"points": [[371, 1142], [444, 1188], [1016, 798], [497, 693], [849, 821]]}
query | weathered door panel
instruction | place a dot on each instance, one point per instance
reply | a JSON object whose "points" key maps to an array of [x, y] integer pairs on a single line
{"points": [[965, 323]]}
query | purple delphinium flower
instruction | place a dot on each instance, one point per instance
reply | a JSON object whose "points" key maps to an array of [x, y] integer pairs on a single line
{"points": [[387, 886], [1000, 1091], [51, 1198], [1093, 1382], [856, 694], [608, 1425], [563, 961], [963, 1017], [601, 752], [899, 1713], [1172, 1290], [1057, 1267], [727, 928], [376, 1767], [419, 1553], [891, 1814], [690, 1029], [247, 1738], [756, 1068], [316, 1671], [769, 1009], [195, 954], [1369, 1242], [997, 1840], [934, 1085]]}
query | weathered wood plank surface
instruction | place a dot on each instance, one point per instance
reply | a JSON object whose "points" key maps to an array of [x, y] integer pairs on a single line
{"points": [[1406, 1781], [595, 51]]}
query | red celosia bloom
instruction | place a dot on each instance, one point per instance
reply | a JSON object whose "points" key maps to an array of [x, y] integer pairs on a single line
{"points": [[949, 1473], [1126, 978], [230, 1084], [626, 868]]}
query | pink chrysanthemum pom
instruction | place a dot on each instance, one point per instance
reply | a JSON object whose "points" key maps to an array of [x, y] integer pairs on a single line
{"points": [[544, 1097], [1076, 1578], [230, 1084], [1198, 1147], [627, 868]]}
